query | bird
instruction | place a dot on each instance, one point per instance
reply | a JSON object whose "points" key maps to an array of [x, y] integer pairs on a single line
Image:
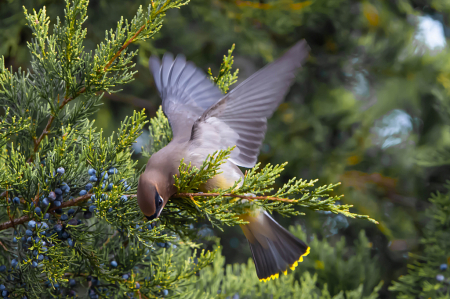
{"points": [[203, 120]]}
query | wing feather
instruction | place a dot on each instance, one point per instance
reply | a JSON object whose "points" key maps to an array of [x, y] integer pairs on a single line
{"points": [[246, 108], [185, 90]]}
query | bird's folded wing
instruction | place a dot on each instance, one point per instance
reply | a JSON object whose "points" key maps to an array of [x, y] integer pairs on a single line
{"points": [[185, 90], [240, 117]]}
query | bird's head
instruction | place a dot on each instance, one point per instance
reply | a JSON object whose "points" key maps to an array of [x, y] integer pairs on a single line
{"points": [[149, 197]]}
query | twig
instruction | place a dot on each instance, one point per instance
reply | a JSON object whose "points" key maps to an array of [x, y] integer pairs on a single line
{"points": [[109, 239], [235, 195], [4, 247], [23, 219], [46, 130]]}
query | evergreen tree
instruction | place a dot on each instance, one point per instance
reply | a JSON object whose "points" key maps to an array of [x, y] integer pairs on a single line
{"points": [[70, 222]]}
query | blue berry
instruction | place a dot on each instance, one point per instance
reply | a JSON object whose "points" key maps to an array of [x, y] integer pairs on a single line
{"points": [[32, 224], [65, 235], [29, 240], [125, 276], [37, 211], [14, 240], [114, 264], [34, 264], [112, 171], [40, 258], [67, 190], [138, 285], [70, 242], [60, 170], [73, 222], [44, 226], [14, 263], [58, 191], [103, 186], [58, 228], [104, 176], [4, 293], [72, 282], [92, 208], [110, 186], [83, 192], [88, 187], [124, 198], [52, 195], [71, 212], [47, 216], [443, 267], [45, 201], [2, 287], [87, 215], [2, 268], [93, 178], [110, 210], [127, 188], [94, 281], [57, 203], [28, 232], [166, 292], [92, 171], [64, 217], [16, 200], [440, 277]]}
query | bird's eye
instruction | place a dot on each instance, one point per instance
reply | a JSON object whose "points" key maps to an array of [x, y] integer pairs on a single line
{"points": [[158, 200]]}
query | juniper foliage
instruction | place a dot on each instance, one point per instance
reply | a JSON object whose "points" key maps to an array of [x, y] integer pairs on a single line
{"points": [[428, 273], [70, 224], [240, 281]]}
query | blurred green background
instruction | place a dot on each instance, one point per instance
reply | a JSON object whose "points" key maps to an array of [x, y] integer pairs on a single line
{"points": [[362, 111]]}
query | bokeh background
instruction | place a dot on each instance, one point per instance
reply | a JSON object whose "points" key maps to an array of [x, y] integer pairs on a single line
{"points": [[364, 111]]}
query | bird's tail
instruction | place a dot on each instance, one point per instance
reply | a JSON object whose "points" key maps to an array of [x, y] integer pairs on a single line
{"points": [[274, 249]]}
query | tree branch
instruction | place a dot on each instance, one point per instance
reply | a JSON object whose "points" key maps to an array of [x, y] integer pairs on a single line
{"points": [[237, 195], [23, 219]]}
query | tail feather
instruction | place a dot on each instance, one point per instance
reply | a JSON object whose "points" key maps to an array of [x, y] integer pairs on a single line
{"points": [[274, 249]]}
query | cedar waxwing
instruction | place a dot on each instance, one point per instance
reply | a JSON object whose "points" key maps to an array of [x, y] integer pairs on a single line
{"points": [[203, 120]]}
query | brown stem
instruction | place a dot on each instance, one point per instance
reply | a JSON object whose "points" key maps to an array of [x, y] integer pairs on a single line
{"points": [[236, 195], [124, 46], [4, 247], [23, 219], [46, 130], [109, 239]]}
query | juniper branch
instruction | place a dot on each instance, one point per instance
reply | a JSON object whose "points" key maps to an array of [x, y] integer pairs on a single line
{"points": [[25, 218], [190, 195]]}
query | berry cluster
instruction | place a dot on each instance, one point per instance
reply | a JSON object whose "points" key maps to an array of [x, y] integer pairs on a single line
{"points": [[52, 225]]}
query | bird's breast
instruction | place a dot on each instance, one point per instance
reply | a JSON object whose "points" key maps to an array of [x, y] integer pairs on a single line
{"points": [[230, 173]]}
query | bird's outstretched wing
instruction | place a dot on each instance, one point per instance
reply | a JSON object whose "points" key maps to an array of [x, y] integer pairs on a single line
{"points": [[240, 117], [185, 90]]}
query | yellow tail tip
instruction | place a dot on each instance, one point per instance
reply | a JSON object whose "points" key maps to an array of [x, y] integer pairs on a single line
{"points": [[295, 264], [292, 267]]}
